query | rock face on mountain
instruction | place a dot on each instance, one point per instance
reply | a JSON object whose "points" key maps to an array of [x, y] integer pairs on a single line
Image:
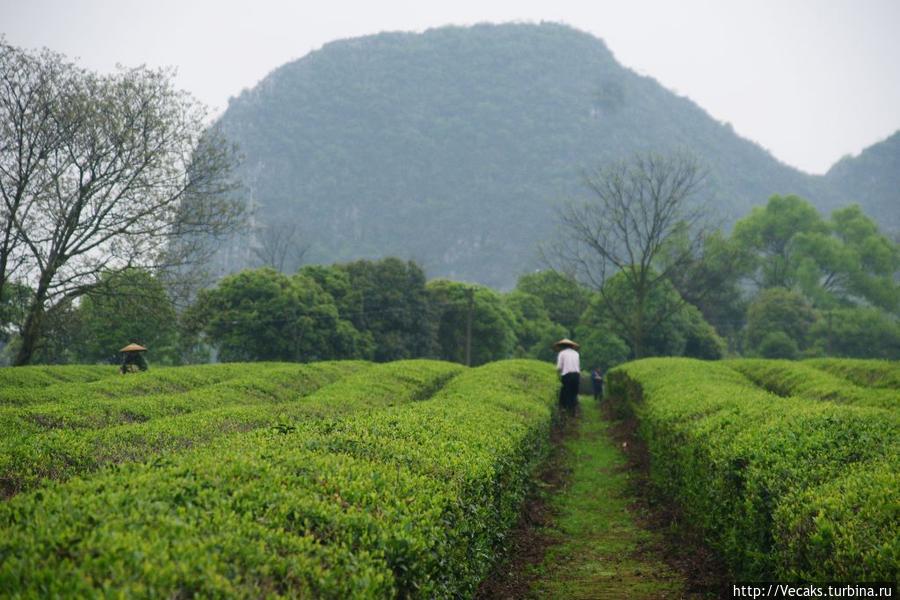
{"points": [[455, 147]]}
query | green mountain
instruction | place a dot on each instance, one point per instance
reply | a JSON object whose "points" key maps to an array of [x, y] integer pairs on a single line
{"points": [[455, 147], [873, 180]]}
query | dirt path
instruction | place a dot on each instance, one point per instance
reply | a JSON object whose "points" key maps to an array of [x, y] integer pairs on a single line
{"points": [[583, 538]]}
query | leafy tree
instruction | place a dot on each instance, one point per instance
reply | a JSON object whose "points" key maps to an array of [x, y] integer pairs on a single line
{"points": [[712, 280], [265, 315], [776, 315], [854, 263], [684, 333], [562, 296], [394, 309], [769, 236], [492, 323], [120, 169], [130, 304], [600, 347], [839, 262], [859, 332], [534, 330], [336, 281], [777, 344], [637, 208]]}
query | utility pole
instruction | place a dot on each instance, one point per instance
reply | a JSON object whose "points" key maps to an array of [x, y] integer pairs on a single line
{"points": [[470, 295]]}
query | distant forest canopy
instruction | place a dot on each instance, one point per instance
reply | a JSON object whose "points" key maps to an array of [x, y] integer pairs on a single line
{"points": [[786, 283], [456, 147]]}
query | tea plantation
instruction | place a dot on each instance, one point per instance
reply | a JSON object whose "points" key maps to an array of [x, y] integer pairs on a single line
{"points": [[791, 470], [358, 480], [327, 480]]}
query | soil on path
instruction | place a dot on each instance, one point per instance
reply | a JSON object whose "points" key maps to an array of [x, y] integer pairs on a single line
{"points": [[585, 534]]}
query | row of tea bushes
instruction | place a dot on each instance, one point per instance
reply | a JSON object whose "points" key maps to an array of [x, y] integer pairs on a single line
{"points": [[165, 380], [882, 374], [319, 390], [407, 501], [80, 406], [839, 528], [766, 477], [791, 378], [42, 375]]}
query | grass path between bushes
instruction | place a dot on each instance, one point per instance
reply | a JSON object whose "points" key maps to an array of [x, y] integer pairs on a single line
{"points": [[596, 546]]}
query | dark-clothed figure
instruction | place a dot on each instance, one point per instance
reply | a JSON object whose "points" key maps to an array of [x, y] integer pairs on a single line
{"points": [[597, 382], [569, 368]]}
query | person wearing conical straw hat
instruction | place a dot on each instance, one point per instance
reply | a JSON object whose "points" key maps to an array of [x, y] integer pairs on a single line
{"points": [[133, 358], [569, 367]]}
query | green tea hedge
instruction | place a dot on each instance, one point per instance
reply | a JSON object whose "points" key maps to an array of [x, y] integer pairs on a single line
{"points": [[411, 500], [264, 397], [791, 378], [883, 374], [744, 464], [41, 375]]}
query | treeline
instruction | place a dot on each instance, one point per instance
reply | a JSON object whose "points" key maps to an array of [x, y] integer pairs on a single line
{"points": [[786, 283]]}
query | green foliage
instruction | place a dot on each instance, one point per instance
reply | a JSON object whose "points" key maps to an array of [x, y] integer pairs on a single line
{"points": [[873, 178], [838, 262], [535, 332], [768, 478], [128, 305], [407, 501], [667, 325], [768, 235], [781, 319], [857, 333], [393, 308], [839, 527], [265, 315], [564, 298], [778, 344], [42, 376], [711, 282], [880, 374], [600, 347], [493, 324], [60, 440], [14, 300], [789, 378]]}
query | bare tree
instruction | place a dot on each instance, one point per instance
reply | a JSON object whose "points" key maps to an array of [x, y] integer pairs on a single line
{"points": [[278, 243], [625, 229], [132, 170], [32, 90]]}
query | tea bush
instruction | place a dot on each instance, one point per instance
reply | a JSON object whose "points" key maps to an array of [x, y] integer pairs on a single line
{"points": [[746, 465], [411, 500]]}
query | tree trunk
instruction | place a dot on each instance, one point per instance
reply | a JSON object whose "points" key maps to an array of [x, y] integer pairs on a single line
{"points": [[33, 323], [30, 334], [638, 332]]}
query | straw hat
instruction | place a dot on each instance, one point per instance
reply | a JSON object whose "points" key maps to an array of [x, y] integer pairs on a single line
{"points": [[133, 348], [565, 342]]}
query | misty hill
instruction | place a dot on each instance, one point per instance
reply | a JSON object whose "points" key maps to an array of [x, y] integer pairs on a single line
{"points": [[454, 147], [873, 180]]}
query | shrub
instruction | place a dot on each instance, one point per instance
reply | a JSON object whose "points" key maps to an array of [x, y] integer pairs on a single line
{"points": [[411, 500], [738, 459]]}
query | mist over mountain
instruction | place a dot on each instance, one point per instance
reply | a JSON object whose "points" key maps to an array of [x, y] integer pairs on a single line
{"points": [[455, 147]]}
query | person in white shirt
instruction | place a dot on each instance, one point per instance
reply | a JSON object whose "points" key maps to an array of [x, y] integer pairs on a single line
{"points": [[569, 368]]}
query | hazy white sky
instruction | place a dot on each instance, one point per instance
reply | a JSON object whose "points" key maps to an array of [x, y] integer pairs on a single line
{"points": [[810, 80]]}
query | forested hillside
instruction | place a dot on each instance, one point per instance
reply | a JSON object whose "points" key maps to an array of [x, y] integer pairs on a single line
{"points": [[873, 180], [455, 147]]}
